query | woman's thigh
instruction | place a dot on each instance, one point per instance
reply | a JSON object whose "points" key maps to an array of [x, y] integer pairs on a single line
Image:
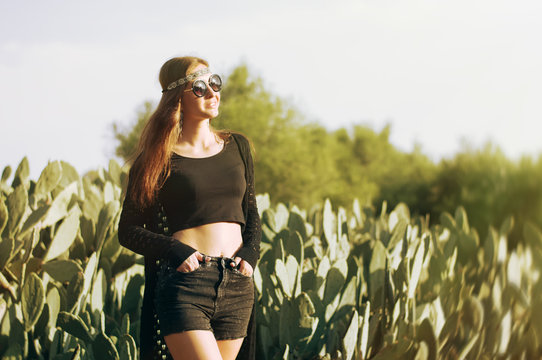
{"points": [[194, 344], [229, 348]]}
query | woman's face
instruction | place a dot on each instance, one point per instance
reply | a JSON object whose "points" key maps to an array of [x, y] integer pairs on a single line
{"points": [[200, 108]]}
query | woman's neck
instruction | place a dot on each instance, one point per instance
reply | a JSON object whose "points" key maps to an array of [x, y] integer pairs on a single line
{"points": [[197, 134]]}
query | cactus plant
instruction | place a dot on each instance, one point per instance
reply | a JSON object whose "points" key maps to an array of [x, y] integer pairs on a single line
{"points": [[331, 283]]}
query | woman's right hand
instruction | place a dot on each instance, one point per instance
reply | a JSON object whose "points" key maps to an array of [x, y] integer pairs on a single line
{"points": [[191, 263]]}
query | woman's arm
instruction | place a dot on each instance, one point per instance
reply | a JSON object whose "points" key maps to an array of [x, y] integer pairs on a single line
{"points": [[134, 236], [252, 233]]}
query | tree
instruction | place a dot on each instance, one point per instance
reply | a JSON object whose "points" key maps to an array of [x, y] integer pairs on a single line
{"points": [[298, 161], [128, 137]]}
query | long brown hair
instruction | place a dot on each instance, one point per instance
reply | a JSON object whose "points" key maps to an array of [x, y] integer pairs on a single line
{"points": [[152, 159]]}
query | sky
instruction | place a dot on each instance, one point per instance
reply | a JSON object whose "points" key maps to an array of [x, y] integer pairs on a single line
{"points": [[441, 73]]}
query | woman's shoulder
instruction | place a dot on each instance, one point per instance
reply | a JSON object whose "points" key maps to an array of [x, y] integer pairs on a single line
{"points": [[242, 141], [239, 137]]}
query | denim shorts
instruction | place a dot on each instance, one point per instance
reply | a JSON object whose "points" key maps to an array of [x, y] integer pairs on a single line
{"points": [[215, 297]]}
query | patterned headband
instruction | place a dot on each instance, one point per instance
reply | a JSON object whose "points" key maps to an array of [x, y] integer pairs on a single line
{"points": [[186, 79]]}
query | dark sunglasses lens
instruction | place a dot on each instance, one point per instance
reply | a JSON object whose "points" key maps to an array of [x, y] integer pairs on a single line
{"points": [[215, 82], [199, 88]]}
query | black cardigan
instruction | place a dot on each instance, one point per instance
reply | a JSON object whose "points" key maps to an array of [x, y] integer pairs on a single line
{"points": [[145, 232]]}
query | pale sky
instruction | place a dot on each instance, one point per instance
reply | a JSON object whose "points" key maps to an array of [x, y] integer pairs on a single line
{"points": [[438, 71]]}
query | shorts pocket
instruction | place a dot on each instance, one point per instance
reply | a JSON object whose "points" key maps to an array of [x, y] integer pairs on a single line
{"points": [[237, 272], [200, 268]]}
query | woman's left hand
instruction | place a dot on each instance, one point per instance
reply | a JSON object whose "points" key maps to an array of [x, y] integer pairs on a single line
{"points": [[244, 267]]}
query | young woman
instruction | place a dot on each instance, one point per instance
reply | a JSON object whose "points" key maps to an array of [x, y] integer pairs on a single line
{"points": [[198, 280]]}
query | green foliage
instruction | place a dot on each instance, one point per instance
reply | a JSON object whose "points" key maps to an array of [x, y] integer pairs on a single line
{"points": [[54, 291], [491, 188], [395, 288], [331, 283], [32, 301], [128, 137]]}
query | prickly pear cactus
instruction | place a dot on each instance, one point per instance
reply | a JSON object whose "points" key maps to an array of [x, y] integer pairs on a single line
{"points": [[331, 283], [340, 284], [62, 272]]}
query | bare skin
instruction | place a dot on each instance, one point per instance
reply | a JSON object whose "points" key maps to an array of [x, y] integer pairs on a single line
{"points": [[215, 239], [199, 344]]}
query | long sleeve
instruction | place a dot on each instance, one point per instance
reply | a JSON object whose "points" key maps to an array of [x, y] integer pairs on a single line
{"points": [[134, 235], [252, 231]]}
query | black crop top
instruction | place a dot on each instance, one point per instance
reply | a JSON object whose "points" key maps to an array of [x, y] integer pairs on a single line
{"points": [[204, 190], [136, 223]]}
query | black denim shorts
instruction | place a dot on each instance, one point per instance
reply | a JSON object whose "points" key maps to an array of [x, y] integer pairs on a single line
{"points": [[214, 297]]}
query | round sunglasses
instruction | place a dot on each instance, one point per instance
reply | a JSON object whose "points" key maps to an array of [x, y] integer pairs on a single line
{"points": [[199, 87]]}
